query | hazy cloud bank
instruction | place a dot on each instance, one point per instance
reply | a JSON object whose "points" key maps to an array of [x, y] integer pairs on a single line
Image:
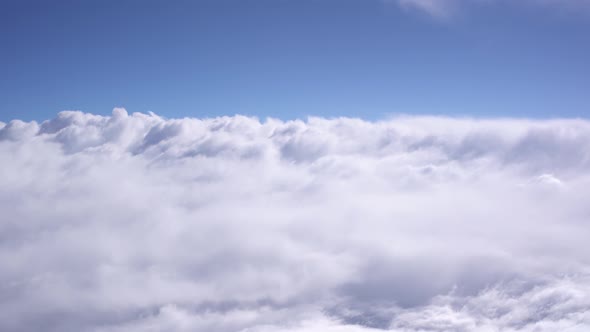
{"points": [[139, 223]]}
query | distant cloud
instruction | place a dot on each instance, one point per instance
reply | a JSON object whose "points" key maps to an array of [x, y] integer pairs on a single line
{"points": [[134, 222], [436, 8], [444, 9]]}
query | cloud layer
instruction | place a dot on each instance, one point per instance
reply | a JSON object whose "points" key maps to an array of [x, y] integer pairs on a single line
{"points": [[139, 223]]}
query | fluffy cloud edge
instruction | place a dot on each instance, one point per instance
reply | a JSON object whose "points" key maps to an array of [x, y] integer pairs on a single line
{"points": [[137, 222]]}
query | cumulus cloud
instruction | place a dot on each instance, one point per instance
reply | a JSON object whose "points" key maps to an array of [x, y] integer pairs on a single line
{"points": [[141, 223]]}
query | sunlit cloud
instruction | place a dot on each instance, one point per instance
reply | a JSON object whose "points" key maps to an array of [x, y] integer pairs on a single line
{"points": [[134, 222]]}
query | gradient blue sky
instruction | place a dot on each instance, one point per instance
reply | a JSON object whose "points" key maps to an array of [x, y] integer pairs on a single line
{"points": [[294, 58]]}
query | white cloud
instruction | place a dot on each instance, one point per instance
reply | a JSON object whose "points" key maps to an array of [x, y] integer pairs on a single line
{"points": [[444, 9], [139, 223], [436, 8]]}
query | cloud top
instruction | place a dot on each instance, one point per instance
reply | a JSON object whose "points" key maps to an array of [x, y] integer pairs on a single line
{"points": [[141, 223]]}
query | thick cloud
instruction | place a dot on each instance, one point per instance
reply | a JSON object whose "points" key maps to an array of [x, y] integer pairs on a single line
{"points": [[139, 223]]}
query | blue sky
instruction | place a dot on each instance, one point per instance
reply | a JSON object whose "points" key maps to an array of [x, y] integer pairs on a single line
{"points": [[294, 58]]}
